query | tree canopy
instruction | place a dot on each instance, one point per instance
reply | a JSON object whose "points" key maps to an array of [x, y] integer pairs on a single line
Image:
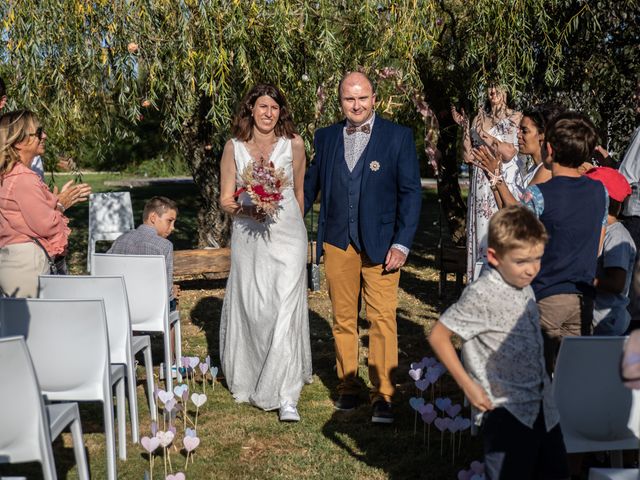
{"points": [[94, 69]]}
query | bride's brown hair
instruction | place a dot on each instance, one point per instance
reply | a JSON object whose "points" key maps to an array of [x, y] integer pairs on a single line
{"points": [[242, 126]]}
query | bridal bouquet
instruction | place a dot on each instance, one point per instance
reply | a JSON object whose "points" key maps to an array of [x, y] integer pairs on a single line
{"points": [[264, 183]]}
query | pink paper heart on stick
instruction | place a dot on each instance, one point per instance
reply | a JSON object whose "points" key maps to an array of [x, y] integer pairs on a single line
{"points": [[170, 404], [416, 403], [150, 444], [442, 424], [177, 476], [465, 474], [429, 417], [190, 443], [423, 384], [477, 467], [203, 368], [433, 374], [454, 410], [443, 403], [193, 362], [165, 396]]}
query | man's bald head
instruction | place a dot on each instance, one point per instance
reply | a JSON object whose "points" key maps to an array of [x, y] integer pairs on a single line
{"points": [[354, 77]]}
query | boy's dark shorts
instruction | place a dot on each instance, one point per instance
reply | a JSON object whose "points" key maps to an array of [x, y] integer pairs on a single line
{"points": [[514, 451]]}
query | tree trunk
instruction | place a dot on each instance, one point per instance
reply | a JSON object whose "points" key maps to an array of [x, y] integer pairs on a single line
{"points": [[204, 162], [449, 194]]}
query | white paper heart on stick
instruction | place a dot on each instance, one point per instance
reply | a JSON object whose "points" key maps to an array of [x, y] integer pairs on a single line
{"points": [[198, 399], [165, 437], [180, 389], [190, 443]]}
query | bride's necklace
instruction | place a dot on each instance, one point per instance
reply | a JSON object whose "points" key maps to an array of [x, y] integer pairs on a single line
{"points": [[265, 151]]}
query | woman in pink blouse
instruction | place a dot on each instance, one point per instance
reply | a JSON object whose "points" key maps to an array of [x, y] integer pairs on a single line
{"points": [[31, 217]]}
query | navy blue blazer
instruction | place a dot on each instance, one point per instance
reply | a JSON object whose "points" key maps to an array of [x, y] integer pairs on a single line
{"points": [[390, 192]]}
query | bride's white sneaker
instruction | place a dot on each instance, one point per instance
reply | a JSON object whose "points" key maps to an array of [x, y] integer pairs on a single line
{"points": [[289, 413]]}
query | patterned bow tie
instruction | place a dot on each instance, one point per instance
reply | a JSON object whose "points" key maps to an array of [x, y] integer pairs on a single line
{"points": [[351, 129]]}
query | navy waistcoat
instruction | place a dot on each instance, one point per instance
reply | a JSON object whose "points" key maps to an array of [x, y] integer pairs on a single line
{"points": [[343, 223]]}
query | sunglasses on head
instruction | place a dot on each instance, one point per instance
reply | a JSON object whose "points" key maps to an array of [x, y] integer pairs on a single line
{"points": [[38, 133]]}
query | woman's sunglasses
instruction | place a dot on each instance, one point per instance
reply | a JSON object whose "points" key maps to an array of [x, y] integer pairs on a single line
{"points": [[38, 134]]}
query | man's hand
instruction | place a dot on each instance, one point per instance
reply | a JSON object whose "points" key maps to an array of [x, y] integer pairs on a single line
{"points": [[478, 397], [70, 194], [395, 259]]}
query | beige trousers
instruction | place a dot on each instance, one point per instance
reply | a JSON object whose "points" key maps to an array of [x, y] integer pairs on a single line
{"points": [[20, 265], [348, 274]]}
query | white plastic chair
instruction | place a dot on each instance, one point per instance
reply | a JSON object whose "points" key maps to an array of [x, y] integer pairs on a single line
{"points": [[110, 215], [28, 426], [614, 474], [69, 346], [122, 346], [146, 279], [597, 413]]}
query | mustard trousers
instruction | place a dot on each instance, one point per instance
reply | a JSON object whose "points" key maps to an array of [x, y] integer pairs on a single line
{"points": [[349, 274]]}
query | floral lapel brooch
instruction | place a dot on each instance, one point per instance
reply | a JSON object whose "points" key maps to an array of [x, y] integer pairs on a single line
{"points": [[374, 166]]}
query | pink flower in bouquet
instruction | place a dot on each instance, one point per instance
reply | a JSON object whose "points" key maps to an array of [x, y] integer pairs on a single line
{"points": [[264, 184]]}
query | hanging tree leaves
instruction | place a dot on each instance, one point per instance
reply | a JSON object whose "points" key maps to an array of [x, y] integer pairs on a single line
{"points": [[92, 70]]}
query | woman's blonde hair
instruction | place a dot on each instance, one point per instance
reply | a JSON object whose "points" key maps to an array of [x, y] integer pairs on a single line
{"points": [[14, 128]]}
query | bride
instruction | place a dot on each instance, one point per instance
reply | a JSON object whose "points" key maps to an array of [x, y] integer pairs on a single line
{"points": [[264, 329]]}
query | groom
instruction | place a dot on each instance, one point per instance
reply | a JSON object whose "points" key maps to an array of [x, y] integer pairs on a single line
{"points": [[367, 170]]}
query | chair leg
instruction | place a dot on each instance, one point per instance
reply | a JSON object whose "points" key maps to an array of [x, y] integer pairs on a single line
{"points": [[91, 247], [109, 436], [48, 466], [133, 401], [121, 412], [616, 458], [168, 381], [148, 366], [78, 449], [178, 348]]}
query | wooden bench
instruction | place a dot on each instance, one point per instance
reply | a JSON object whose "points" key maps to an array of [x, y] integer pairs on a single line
{"points": [[212, 262]]}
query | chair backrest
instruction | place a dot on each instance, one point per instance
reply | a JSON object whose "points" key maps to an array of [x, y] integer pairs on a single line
{"points": [[110, 212], [146, 279], [112, 290], [24, 435], [68, 342], [596, 411]]}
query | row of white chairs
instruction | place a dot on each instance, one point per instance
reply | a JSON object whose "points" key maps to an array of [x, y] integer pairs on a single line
{"points": [[80, 330]]}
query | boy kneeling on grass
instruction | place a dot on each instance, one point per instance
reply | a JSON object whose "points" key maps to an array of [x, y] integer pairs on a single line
{"points": [[505, 378]]}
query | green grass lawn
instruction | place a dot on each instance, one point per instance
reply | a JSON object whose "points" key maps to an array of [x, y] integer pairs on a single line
{"points": [[239, 441]]}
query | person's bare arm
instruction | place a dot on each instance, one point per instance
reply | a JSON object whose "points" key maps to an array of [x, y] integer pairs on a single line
{"points": [[490, 163], [299, 162], [440, 341], [462, 120], [228, 186]]}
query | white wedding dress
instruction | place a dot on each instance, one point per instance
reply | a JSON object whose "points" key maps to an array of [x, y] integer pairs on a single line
{"points": [[265, 349]]}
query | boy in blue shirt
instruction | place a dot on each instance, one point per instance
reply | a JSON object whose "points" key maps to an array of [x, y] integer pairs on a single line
{"points": [[573, 209]]}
